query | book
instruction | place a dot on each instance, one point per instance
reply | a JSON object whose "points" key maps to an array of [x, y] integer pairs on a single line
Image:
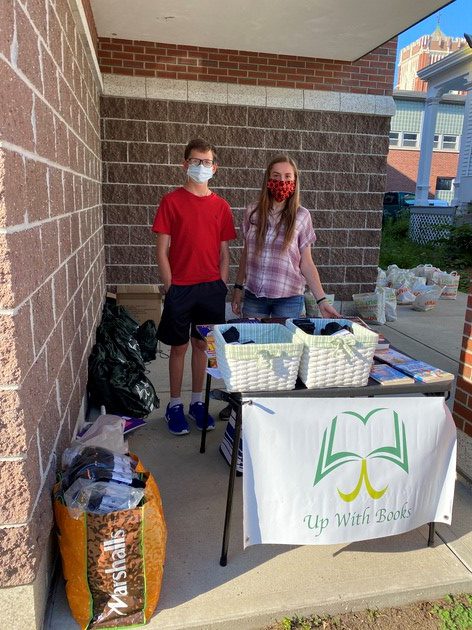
{"points": [[392, 357], [206, 331], [424, 372], [387, 375], [382, 343]]}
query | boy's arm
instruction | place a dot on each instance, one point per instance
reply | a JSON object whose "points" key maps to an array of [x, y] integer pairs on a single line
{"points": [[224, 261], [162, 255]]}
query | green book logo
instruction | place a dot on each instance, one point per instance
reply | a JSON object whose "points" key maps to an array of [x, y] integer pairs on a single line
{"points": [[329, 461]]}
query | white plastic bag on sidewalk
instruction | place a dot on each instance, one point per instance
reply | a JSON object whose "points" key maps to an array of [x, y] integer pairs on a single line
{"points": [[371, 306], [427, 298], [390, 304], [425, 271], [449, 282], [404, 294], [381, 278]]}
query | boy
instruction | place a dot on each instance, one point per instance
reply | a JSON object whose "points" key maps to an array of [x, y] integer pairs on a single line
{"points": [[193, 227]]}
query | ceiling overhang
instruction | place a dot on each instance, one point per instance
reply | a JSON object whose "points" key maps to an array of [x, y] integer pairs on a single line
{"points": [[338, 29]]}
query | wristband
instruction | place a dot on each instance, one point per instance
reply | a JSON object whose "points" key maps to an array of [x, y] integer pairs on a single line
{"points": [[321, 300], [239, 286]]}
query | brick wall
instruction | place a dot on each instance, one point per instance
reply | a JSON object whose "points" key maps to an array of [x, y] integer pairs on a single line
{"points": [[51, 262], [402, 168], [341, 157], [462, 411], [372, 74]]}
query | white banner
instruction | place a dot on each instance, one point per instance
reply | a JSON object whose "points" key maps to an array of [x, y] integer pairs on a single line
{"points": [[334, 470]]}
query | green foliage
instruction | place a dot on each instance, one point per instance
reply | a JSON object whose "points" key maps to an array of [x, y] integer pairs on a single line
{"points": [[303, 623], [453, 252], [455, 613]]}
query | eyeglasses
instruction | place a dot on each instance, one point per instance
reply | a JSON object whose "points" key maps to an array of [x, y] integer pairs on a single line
{"points": [[197, 162]]}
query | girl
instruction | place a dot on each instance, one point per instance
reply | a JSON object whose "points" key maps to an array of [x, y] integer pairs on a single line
{"points": [[276, 261]]}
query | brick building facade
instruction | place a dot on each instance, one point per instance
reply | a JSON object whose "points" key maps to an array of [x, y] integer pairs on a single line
{"points": [[426, 50], [80, 176]]}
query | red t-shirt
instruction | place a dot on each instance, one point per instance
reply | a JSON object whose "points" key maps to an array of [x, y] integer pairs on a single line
{"points": [[197, 226]]}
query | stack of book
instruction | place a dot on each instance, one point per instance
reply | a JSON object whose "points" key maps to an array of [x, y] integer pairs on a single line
{"points": [[419, 370]]}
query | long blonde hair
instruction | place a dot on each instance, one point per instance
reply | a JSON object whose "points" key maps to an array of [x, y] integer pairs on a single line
{"points": [[260, 215]]}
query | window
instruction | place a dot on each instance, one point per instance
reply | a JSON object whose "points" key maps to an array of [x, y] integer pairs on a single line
{"points": [[394, 138], [450, 142], [444, 183], [410, 139], [443, 142]]}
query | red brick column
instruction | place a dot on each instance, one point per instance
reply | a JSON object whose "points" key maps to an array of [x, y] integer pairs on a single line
{"points": [[462, 411]]}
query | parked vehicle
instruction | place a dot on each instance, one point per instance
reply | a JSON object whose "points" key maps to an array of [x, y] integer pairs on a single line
{"points": [[395, 202]]}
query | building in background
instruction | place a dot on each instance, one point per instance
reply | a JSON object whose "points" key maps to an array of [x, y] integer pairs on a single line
{"points": [[405, 139], [423, 52]]}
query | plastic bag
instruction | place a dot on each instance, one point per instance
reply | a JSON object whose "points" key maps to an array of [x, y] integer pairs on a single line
{"points": [[381, 278], [122, 387], [427, 298], [426, 271], [146, 336], [100, 497], [449, 282], [390, 303], [404, 294], [106, 431], [401, 277], [371, 306], [97, 464], [310, 304]]}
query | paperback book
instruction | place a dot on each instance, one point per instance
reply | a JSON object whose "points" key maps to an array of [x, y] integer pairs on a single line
{"points": [[387, 375], [424, 372], [392, 357]]}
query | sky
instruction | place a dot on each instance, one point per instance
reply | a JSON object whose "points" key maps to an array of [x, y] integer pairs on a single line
{"points": [[454, 20]]}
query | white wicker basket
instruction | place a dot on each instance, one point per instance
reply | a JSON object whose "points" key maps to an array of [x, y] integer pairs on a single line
{"points": [[270, 363], [339, 361]]}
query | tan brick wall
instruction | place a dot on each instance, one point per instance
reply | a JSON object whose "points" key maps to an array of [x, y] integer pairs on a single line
{"points": [[51, 262], [372, 74], [342, 158]]}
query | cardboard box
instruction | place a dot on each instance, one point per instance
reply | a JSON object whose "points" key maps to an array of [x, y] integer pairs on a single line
{"points": [[143, 301]]}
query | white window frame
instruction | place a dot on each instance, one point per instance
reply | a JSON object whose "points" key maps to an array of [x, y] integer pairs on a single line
{"points": [[390, 139], [416, 140]]}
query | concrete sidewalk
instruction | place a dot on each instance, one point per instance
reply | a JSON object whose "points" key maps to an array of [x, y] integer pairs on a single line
{"points": [[268, 582]]}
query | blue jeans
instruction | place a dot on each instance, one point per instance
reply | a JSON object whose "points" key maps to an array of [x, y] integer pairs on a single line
{"points": [[272, 307]]}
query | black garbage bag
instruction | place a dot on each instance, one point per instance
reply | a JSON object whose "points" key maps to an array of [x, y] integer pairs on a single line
{"points": [[114, 333], [147, 340], [122, 387], [112, 312]]}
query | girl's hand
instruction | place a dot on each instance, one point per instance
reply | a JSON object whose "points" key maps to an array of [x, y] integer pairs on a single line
{"points": [[328, 311], [236, 302]]}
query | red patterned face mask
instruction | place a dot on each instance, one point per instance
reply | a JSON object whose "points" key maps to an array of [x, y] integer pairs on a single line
{"points": [[280, 190]]}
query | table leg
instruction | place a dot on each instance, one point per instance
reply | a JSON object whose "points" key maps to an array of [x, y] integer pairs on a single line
{"points": [[432, 529], [207, 404], [232, 476]]}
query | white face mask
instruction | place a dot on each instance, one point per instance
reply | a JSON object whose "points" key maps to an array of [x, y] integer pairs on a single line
{"points": [[200, 174]]}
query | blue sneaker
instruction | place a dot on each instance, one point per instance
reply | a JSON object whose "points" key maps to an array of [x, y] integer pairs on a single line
{"points": [[176, 422], [197, 412]]}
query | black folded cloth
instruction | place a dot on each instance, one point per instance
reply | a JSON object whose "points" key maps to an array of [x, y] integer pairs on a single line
{"points": [[333, 328], [231, 335], [306, 325]]}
